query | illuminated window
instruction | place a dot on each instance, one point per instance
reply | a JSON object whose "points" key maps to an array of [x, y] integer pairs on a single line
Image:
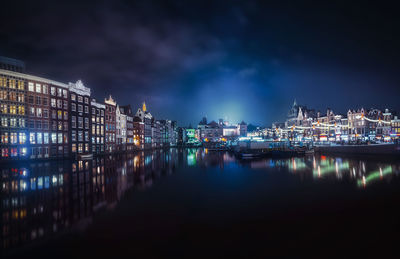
{"points": [[13, 96], [60, 138], [13, 138], [4, 137], [80, 148], [59, 114], [73, 149], [54, 138], [46, 138], [3, 81], [38, 88], [23, 151], [80, 136], [53, 102], [65, 105], [39, 138], [65, 93], [53, 91], [65, 115], [21, 85], [73, 136], [4, 152], [39, 112], [32, 138], [73, 97], [13, 109], [45, 89], [4, 108], [21, 123], [3, 95], [22, 138], [12, 83], [13, 122], [65, 138], [21, 110]]}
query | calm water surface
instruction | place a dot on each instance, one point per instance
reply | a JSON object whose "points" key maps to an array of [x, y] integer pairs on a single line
{"points": [[198, 203]]}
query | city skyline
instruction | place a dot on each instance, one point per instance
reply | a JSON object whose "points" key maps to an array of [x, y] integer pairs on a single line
{"points": [[247, 60]]}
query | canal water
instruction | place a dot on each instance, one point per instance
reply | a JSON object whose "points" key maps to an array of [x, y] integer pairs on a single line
{"points": [[200, 203]]}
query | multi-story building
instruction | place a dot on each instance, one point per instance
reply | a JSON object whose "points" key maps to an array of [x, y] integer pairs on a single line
{"points": [[80, 133], [98, 132], [58, 101], [121, 129], [127, 110], [13, 124], [138, 133], [395, 127], [147, 119], [110, 123]]}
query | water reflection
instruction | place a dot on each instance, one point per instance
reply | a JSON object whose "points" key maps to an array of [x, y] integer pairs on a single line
{"points": [[39, 200], [362, 172]]}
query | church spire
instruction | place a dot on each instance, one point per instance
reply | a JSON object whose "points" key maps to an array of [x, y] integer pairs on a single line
{"points": [[144, 107], [295, 102]]}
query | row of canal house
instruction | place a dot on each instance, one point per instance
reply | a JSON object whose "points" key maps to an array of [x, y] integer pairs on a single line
{"points": [[43, 118]]}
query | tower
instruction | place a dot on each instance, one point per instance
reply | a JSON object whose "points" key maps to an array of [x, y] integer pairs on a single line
{"points": [[144, 107]]}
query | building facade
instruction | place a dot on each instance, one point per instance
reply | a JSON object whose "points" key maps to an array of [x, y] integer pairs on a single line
{"points": [[110, 120], [98, 131], [81, 119]]}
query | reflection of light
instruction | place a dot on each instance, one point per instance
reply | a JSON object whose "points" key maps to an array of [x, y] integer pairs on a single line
{"points": [[375, 175], [191, 159]]}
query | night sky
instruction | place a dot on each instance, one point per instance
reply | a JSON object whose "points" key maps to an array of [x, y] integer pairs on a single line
{"points": [[240, 60]]}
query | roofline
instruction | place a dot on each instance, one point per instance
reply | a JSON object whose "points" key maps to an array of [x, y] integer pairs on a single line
{"points": [[33, 78]]}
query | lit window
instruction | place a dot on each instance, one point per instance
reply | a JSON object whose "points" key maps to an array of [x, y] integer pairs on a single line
{"points": [[32, 138], [22, 138], [39, 138], [38, 88], [31, 87]]}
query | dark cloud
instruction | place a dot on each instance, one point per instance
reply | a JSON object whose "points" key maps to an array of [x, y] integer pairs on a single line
{"points": [[236, 59]]}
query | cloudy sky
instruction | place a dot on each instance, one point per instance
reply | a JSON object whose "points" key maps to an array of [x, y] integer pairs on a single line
{"points": [[240, 60]]}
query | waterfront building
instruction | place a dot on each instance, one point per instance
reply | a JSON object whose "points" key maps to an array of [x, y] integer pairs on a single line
{"points": [[138, 133], [127, 111], [147, 120], [13, 124], [395, 128], [120, 129], [81, 121], [98, 131], [110, 124], [58, 97]]}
